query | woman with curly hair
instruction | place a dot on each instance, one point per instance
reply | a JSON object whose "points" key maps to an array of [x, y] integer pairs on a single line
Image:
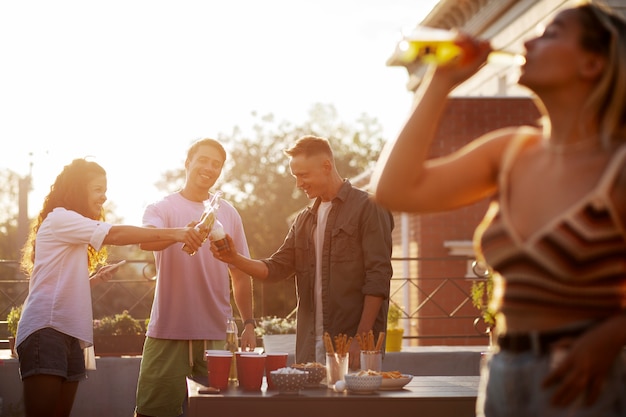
{"points": [[61, 258]]}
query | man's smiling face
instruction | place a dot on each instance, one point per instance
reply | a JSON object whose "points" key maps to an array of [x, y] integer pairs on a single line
{"points": [[205, 167]]}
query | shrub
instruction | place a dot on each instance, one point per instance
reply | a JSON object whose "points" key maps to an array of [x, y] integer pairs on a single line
{"points": [[275, 325], [13, 319], [118, 324], [393, 315]]}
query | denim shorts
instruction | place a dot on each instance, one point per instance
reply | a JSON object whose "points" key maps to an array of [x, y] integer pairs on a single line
{"points": [[511, 386], [50, 352]]}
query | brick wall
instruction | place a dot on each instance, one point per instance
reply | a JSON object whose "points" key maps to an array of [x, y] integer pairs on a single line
{"points": [[463, 120]]}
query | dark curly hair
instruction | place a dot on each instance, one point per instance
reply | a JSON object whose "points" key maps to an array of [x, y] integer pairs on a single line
{"points": [[70, 192]]}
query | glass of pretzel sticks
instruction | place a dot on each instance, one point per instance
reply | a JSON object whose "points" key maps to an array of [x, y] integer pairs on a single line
{"points": [[371, 354], [337, 358]]}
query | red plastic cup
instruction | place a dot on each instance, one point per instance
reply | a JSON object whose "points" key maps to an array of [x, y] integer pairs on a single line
{"points": [[274, 361], [250, 370], [218, 367]]}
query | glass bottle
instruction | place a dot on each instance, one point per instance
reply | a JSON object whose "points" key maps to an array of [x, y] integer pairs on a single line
{"points": [[218, 236], [207, 219], [437, 46], [232, 345]]}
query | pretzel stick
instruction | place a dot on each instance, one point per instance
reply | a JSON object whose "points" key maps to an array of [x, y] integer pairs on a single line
{"points": [[379, 342], [338, 344], [360, 341], [328, 344], [348, 343], [367, 341]]}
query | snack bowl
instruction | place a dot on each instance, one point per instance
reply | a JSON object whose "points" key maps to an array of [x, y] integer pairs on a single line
{"points": [[396, 383], [316, 371], [360, 383], [289, 380]]}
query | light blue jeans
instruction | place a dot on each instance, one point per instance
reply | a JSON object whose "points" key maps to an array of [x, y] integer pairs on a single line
{"points": [[510, 386]]}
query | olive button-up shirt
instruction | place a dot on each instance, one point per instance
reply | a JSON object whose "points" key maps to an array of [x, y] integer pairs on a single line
{"points": [[356, 261]]}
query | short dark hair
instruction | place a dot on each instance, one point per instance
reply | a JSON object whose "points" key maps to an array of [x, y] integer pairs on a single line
{"points": [[310, 146], [205, 142]]}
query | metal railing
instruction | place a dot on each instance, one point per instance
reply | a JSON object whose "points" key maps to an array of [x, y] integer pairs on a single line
{"points": [[436, 305]]}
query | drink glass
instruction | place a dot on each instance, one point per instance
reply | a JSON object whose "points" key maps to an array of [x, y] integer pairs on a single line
{"points": [[336, 368], [371, 360]]}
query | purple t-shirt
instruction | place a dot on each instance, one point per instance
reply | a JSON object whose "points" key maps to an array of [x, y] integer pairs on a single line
{"points": [[192, 297]]}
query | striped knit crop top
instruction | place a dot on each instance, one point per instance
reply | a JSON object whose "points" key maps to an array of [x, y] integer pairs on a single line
{"points": [[574, 267]]}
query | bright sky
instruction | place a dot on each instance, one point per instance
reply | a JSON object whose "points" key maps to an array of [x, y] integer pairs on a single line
{"points": [[133, 82]]}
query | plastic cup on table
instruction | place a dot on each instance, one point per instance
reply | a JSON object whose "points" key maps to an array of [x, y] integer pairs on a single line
{"points": [[218, 367], [274, 361], [250, 370]]}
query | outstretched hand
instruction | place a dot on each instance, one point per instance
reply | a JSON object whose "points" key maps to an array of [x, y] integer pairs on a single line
{"points": [[228, 253], [192, 237]]}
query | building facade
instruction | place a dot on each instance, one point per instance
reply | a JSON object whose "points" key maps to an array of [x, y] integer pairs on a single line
{"points": [[489, 100]]}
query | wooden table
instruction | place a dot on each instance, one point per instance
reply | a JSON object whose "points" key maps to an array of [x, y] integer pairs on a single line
{"points": [[424, 396]]}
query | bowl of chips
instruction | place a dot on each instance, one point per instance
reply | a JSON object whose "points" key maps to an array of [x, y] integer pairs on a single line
{"points": [[289, 380], [363, 382], [315, 370]]}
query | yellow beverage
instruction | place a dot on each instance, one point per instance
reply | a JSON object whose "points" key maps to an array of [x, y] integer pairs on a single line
{"points": [[436, 46], [428, 51], [232, 345]]}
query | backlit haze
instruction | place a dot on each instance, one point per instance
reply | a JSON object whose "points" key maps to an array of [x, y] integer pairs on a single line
{"points": [[132, 83]]}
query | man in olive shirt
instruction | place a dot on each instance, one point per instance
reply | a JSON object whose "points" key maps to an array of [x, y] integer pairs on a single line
{"points": [[339, 250]]}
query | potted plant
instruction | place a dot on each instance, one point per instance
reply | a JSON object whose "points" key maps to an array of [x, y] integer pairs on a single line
{"points": [[118, 335], [481, 291], [393, 338], [13, 319], [278, 334]]}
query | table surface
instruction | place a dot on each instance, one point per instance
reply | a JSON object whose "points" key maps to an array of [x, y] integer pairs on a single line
{"points": [[430, 395]]}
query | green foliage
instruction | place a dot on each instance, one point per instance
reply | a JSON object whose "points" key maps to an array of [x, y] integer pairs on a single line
{"points": [[256, 177], [481, 292], [257, 181], [13, 319], [118, 324], [393, 315], [275, 325]]}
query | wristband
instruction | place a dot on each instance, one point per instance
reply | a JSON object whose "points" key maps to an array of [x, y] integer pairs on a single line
{"points": [[250, 321]]}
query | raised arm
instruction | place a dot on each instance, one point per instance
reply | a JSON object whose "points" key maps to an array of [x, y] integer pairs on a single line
{"points": [[404, 180]]}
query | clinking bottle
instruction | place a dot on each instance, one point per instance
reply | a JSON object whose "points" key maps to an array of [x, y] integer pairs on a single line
{"points": [[437, 46], [207, 220], [232, 345], [218, 236]]}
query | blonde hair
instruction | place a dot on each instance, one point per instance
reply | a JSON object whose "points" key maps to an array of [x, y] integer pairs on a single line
{"points": [[604, 33], [310, 146]]}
